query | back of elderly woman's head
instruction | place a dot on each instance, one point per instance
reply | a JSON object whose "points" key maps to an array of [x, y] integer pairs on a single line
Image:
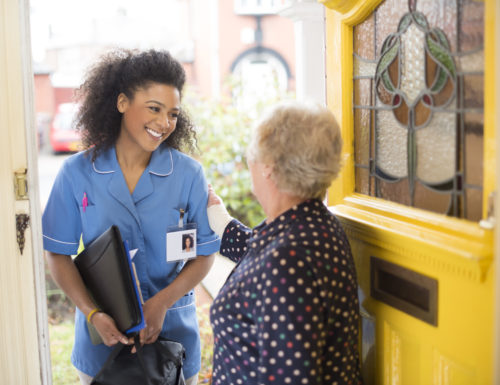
{"points": [[303, 145]]}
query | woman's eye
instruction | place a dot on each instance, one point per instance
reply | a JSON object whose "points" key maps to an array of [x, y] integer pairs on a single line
{"points": [[154, 109], [174, 115]]}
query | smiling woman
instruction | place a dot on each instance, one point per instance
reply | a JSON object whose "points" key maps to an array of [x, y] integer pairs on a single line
{"points": [[116, 81], [132, 175]]}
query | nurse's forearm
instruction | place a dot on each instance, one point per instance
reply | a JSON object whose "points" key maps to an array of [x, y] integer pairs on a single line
{"points": [[67, 277], [190, 276]]}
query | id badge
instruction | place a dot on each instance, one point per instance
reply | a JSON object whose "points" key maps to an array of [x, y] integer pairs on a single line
{"points": [[181, 241]]}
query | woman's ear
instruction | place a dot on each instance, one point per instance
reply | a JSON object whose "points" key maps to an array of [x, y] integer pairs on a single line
{"points": [[267, 171], [122, 102]]}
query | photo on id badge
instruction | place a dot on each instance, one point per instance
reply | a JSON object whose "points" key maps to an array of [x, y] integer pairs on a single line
{"points": [[181, 242]]}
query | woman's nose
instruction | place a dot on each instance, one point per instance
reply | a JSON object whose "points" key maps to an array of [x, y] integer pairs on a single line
{"points": [[164, 121]]}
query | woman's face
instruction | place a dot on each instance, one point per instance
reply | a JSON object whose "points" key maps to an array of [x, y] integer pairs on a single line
{"points": [[258, 176], [188, 242], [150, 117]]}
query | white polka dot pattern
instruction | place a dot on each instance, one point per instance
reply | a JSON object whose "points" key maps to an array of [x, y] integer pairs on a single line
{"points": [[288, 313]]}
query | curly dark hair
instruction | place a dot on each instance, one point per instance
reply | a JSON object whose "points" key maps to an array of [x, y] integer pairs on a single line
{"points": [[126, 71]]}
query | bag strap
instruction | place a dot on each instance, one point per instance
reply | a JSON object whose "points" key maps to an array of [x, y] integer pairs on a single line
{"points": [[114, 353], [138, 348]]}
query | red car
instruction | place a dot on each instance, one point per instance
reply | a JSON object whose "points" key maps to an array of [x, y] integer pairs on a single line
{"points": [[63, 135]]}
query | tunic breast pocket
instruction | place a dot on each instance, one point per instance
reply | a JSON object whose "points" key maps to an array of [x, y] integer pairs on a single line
{"points": [[91, 223]]}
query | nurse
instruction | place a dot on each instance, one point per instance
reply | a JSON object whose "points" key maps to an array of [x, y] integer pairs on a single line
{"points": [[133, 175]]}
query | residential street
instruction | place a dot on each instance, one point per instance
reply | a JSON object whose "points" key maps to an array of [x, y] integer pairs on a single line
{"points": [[48, 166]]}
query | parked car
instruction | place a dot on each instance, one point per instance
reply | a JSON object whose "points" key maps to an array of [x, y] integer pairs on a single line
{"points": [[63, 135]]}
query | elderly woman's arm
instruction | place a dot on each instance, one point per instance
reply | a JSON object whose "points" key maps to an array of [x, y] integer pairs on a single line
{"points": [[233, 234]]}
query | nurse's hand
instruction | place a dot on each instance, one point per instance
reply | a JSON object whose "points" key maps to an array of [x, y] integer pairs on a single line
{"points": [[213, 198], [106, 327], [154, 315], [218, 217]]}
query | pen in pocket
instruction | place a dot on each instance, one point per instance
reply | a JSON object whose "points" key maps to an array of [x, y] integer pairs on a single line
{"points": [[85, 202]]}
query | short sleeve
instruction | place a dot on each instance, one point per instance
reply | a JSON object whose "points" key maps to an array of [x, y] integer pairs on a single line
{"points": [[234, 240], [61, 221], [207, 241]]}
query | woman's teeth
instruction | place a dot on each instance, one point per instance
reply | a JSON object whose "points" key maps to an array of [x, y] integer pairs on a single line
{"points": [[154, 133]]}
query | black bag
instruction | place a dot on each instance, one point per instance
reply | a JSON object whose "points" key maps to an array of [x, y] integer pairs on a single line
{"points": [[159, 363]]}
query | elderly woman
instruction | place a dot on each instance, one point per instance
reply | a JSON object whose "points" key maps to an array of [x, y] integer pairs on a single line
{"points": [[288, 313]]}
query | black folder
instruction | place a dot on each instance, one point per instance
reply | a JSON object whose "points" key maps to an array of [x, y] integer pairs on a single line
{"points": [[107, 272]]}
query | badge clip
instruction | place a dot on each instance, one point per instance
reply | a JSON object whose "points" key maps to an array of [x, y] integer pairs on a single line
{"points": [[181, 223]]}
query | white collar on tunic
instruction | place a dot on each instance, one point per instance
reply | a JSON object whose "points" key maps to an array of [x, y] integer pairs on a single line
{"points": [[161, 163]]}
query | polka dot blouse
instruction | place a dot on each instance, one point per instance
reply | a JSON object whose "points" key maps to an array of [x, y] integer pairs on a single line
{"points": [[288, 313]]}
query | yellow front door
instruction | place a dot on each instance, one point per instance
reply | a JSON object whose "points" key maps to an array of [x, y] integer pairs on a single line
{"points": [[412, 84]]}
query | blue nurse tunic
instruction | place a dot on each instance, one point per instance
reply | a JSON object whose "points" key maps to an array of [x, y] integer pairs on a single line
{"points": [[172, 181]]}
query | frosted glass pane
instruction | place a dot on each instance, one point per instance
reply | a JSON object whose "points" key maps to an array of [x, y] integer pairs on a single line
{"points": [[413, 63], [473, 62], [364, 68], [391, 145], [362, 92], [362, 136], [389, 14], [474, 145], [436, 149], [441, 14], [473, 91], [364, 44], [472, 25]]}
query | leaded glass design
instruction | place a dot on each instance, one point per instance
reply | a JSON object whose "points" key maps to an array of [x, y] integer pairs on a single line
{"points": [[418, 105]]}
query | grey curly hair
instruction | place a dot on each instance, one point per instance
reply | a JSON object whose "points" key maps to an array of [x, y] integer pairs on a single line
{"points": [[302, 143]]}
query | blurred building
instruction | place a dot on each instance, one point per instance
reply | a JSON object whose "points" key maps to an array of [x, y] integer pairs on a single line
{"points": [[240, 42]]}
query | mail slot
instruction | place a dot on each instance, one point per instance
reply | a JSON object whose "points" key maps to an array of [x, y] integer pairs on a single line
{"points": [[404, 289]]}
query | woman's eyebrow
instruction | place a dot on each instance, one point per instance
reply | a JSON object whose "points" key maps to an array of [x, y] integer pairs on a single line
{"points": [[162, 105], [155, 101]]}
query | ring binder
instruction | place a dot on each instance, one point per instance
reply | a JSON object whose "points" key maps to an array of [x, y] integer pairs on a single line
{"points": [[107, 271]]}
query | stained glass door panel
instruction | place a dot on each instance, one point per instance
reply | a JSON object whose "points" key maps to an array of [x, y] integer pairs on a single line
{"points": [[418, 105]]}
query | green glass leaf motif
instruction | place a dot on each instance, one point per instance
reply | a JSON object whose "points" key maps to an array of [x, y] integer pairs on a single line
{"points": [[387, 81], [442, 38], [388, 43], [441, 80], [405, 22], [441, 55], [421, 20], [385, 60]]}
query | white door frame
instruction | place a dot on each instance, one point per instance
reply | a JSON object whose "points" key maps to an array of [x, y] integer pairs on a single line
{"points": [[24, 341]]}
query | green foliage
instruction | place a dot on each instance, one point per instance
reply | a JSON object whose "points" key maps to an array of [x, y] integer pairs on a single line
{"points": [[223, 135], [61, 343], [207, 342]]}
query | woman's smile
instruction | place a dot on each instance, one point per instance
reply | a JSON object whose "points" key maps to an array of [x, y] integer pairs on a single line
{"points": [[155, 134]]}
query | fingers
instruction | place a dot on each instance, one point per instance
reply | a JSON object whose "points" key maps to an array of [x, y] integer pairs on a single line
{"points": [[113, 339], [213, 198], [144, 338], [108, 331]]}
